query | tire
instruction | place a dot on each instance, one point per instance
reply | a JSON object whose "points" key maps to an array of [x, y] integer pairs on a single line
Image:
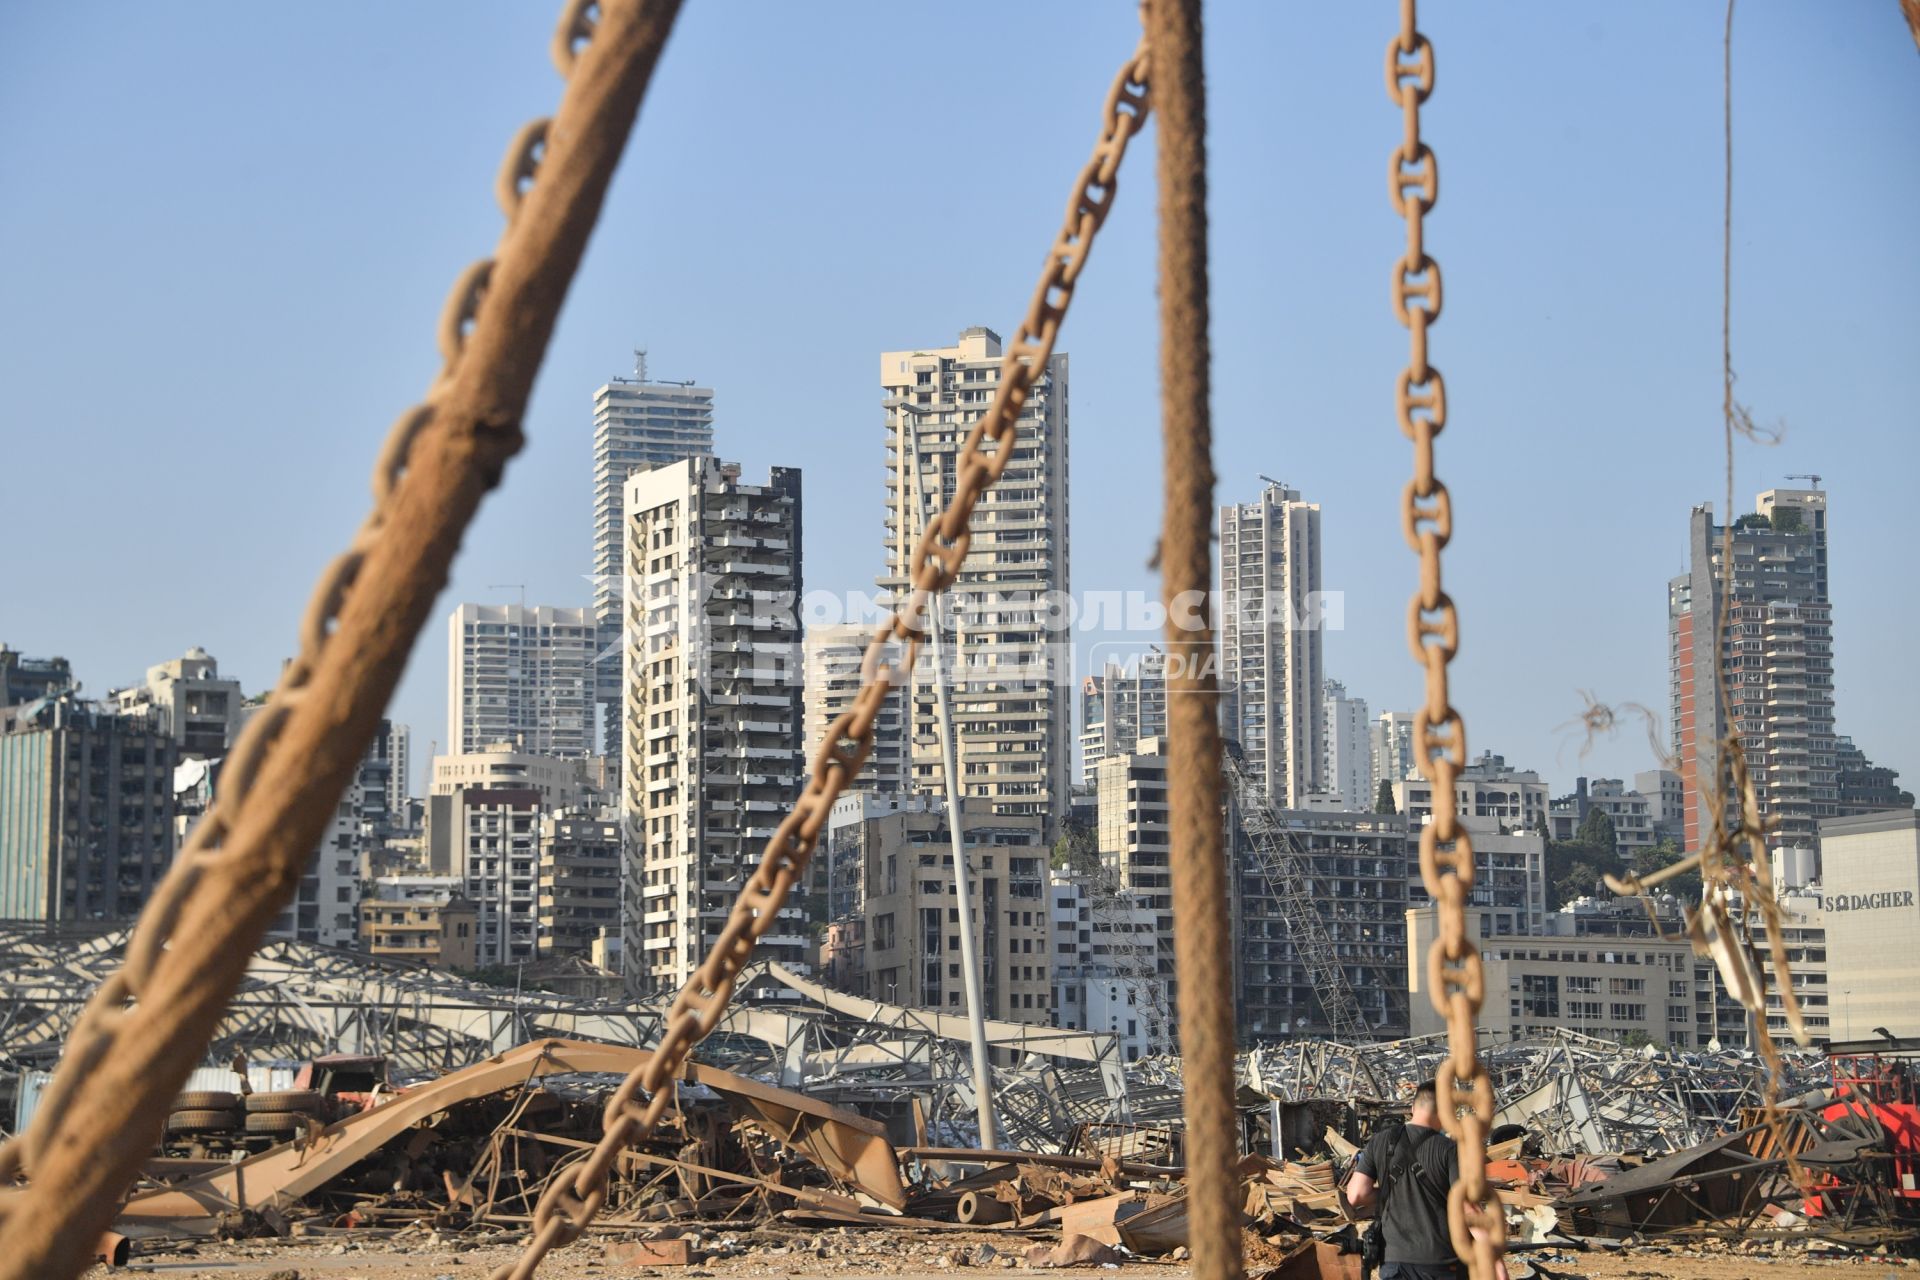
{"points": [[207, 1100], [203, 1120], [277, 1123], [299, 1101]]}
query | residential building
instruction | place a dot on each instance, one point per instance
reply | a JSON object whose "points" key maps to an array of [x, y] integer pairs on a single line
{"points": [[912, 914], [86, 807], [1391, 740], [1270, 642], [325, 907], [1630, 812], [1516, 799], [1863, 786], [499, 867], [1666, 802], [1348, 771], [841, 854], [192, 704], [521, 674], [1355, 865], [579, 880], [1870, 894], [1131, 832], [1601, 968], [638, 424], [1778, 652], [419, 918], [1126, 702], [713, 712], [1107, 949], [399, 752], [834, 654], [1510, 873], [24, 679], [1011, 660], [495, 766]]}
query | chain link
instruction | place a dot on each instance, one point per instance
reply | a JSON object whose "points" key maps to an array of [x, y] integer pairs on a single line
{"points": [[1456, 979], [577, 1193], [113, 1011]]}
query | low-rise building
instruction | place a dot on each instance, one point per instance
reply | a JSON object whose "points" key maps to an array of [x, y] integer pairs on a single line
{"points": [[423, 919], [1107, 953], [1870, 893], [1488, 788], [190, 702], [1510, 874], [1630, 812]]}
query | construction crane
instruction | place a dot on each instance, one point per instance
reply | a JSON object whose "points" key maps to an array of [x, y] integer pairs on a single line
{"points": [[1807, 476], [1283, 864]]}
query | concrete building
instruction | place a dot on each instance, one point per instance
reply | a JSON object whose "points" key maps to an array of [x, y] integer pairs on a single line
{"points": [[912, 916], [1779, 662], [1107, 952], [1870, 892], [579, 880], [1516, 799], [1131, 830], [1666, 802], [496, 766], [1391, 739], [1012, 669], [1630, 812], [833, 659], [1356, 867], [419, 918], [1348, 770], [1600, 968], [521, 674], [840, 857], [399, 752], [714, 712], [1863, 786], [86, 809], [1270, 642], [1510, 873], [499, 861], [190, 702], [24, 679], [638, 424], [1126, 702], [325, 906]]}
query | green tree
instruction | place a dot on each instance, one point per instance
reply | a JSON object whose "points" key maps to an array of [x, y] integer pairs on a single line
{"points": [[1685, 886], [1596, 832], [1383, 798]]}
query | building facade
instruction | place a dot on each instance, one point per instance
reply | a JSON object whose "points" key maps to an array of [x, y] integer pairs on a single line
{"points": [[1011, 669], [579, 880], [1510, 873], [1778, 653], [1107, 950], [1630, 812], [86, 809], [1270, 642], [422, 919], [638, 424], [1514, 799], [521, 674], [24, 679], [1870, 892], [496, 766], [1391, 741], [1348, 770], [834, 654], [190, 702], [1126, 702], [713, 708]]}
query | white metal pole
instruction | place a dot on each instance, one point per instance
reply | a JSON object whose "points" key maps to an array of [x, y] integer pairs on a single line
{"points": [[962, 890]]}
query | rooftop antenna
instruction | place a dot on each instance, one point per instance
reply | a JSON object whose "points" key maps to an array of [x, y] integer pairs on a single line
{"points": [[639, 364], [502, 586], [1807, 476]]}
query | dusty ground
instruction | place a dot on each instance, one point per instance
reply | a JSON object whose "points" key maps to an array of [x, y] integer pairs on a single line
{"points": [[872, 1253]]}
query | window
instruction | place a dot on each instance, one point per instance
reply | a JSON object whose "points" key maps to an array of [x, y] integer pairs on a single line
{"points": [[1540, 995], [883, 932]]}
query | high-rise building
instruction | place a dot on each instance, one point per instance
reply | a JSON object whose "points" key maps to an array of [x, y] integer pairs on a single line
{"points": [[325, 906], [1392, 744], [86, 808], [521, 674], [1132, 834], [637, 424], [193, 704], [1011, 690], [399, 750], [1778, 652], [494, 767], [834, 654], [1270, 641], [1126, 702], [24, 679], [713, 708], [1349, 766], [579, 880]]}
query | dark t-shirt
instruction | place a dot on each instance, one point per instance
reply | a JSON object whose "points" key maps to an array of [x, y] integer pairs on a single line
{"points": [[1414, 1217]]}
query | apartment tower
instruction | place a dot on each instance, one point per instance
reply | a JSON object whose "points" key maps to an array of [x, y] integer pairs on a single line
{"points": [[1270, 641], [713, 708], [521, 674], [1012, 672]]}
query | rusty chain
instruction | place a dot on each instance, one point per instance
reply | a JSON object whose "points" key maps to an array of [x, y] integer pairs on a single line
{"points": [[130, 1007], [571, 1201], [1456, 979]]}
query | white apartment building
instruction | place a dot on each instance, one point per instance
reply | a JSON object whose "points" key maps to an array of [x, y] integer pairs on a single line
{"points": [[713, 711], [637, 424], [399, 752], [1349, 746], [1270, 642], [1012, 691], [521, 674], [1391, 741], [1126, 702], [1107, 946], [833, 657], [191, 703], [1516, 799], [1510, 872], [496, 767]]}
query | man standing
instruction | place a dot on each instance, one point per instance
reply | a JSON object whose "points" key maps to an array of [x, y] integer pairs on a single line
{"points": [[1403, 1174]]}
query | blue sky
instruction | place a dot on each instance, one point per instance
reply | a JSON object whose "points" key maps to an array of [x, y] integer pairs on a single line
{"points": [[230, 229]]}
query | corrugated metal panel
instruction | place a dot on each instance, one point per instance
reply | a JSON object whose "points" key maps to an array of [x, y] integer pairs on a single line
{"points": [[212, 1080], [32, 1084]]}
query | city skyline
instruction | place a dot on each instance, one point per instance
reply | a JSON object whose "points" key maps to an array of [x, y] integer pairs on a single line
{"points": [[1302, 371]]}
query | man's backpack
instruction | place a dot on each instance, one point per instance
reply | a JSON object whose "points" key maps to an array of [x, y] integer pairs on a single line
{"points": [[1402, 1159]]}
